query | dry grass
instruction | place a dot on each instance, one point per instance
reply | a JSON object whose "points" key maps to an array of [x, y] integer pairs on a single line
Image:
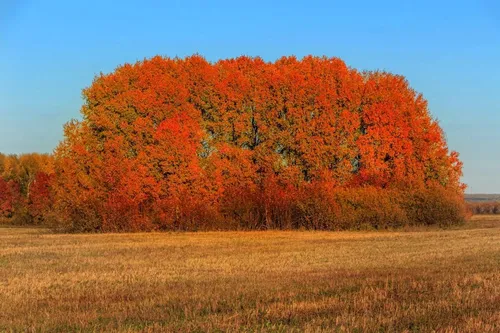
{"points": [[418, 281]]}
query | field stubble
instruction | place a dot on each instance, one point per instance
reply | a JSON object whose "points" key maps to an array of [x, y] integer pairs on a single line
{"points": [[405, 281]]}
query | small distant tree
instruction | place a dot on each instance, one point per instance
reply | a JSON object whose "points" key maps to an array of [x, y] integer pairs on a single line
{"points": [[6, 199]]}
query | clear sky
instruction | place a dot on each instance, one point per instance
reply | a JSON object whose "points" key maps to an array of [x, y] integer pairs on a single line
{"points": [[448, 50]]}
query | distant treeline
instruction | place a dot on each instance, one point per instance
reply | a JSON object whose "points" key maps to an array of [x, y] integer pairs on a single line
{"points": [[486, 208], [185, 144], [482, 197]]}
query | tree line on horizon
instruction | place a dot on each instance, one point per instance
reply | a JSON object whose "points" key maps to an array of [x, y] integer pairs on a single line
{"points": [[185, 144], [484, 208]]}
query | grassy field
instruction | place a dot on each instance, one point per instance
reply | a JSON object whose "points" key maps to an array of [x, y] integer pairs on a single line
{"points": [[406, 281]]}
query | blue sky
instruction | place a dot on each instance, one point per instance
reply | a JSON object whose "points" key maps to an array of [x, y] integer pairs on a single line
{"points": [[448, 50]]}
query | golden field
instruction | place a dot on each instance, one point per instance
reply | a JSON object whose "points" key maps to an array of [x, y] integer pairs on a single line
{"points": [[376, 281]]}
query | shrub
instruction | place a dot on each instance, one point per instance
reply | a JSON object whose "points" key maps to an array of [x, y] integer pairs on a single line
{"points": [[436, 206]]}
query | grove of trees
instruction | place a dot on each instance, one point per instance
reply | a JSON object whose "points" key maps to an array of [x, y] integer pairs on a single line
{"points": [[185, 144], [25, 187]]}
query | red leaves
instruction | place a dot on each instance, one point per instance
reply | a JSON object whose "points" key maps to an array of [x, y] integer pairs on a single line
{"points": [[41, 197], [8, 196]]}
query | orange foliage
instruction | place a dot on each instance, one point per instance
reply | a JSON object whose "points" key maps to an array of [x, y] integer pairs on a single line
{"points": [[244, 143]]}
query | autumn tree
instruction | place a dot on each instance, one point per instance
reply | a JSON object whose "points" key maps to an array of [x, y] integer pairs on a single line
{"points": [[6, 199], [244, 143]]}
